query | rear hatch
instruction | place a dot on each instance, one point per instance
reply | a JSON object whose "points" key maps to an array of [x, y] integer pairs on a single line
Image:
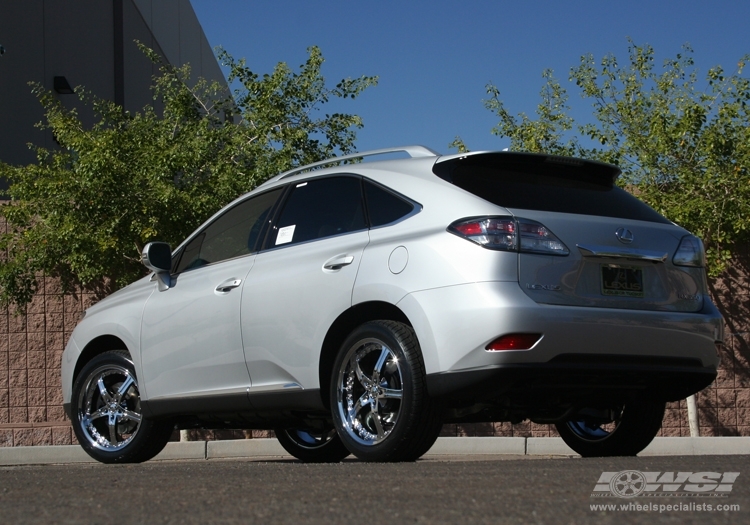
{"points": [[619, 251]]}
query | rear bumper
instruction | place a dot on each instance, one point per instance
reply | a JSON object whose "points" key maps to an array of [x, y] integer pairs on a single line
{"points": [[575, 379], [673, 353]]}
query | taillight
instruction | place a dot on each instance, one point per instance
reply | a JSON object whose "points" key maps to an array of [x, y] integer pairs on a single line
{"points": [[690, 252], [514, 342], [496, 233], [536, 238], [509, 234]]}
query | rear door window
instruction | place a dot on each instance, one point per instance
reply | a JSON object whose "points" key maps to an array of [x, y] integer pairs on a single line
{"points": [[320, 208]]}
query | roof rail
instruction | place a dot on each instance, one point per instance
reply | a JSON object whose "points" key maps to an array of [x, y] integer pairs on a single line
{"points": [[413, 151]]}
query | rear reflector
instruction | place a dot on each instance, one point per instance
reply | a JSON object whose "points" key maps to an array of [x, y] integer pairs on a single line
{"points": [[513, 342]]}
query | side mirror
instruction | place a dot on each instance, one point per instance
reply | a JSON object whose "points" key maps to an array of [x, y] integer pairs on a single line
{"points": [[157, 257]]}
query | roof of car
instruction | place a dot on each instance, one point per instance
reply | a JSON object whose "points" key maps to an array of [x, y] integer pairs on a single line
{"points": [[415, 151]]}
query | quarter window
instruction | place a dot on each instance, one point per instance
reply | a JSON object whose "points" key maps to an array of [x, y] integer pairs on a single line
{"points": [[384, 207]]}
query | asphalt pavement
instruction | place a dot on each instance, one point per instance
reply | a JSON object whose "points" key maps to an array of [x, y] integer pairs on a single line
{"points": [[445, 446], [440, 489]]}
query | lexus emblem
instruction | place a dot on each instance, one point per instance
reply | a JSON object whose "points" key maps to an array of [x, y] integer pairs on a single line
{"points": [[624, 235]]}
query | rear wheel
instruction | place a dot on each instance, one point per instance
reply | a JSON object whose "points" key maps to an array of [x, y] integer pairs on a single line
{"points": [[379, 399], [626, 432], [107, 418], [312, 446]]}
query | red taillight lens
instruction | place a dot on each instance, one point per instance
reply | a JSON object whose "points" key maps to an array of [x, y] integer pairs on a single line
{"points": [[469, 228], [513, 342]]}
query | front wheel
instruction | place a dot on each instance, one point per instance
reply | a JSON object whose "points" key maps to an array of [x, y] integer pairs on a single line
{"points": [[312, 446], [627, 431], [107, 418], [379, 401]]}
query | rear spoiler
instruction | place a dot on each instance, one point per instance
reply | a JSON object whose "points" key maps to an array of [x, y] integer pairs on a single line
{"points": [[571, 168]]}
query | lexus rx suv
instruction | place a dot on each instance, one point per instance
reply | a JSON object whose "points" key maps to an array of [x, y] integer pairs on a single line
{"points": [[357, 307]]}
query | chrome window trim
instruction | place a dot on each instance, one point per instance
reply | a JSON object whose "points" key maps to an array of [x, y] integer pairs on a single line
{"points": [[590, 250]]}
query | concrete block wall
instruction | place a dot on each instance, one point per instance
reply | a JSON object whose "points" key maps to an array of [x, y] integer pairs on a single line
{"points": [[31, 346], [724, 407]]}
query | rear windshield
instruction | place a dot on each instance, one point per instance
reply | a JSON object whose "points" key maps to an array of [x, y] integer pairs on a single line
{"points": [[539, 182]]}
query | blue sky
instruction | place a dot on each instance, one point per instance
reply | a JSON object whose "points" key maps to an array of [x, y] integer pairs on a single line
{"points": [[434, 58]]}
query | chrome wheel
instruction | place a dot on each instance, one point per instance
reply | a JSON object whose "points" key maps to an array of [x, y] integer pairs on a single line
{"points": [[619, 431], [312, 445], [310, 439], [107, 420], [109, 408], [587, 431], [596, 429], [370, 391], [378, 394]]}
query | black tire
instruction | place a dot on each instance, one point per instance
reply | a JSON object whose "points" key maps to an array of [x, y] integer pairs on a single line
{"points": [[386, 415], [312, 446], [632, 430], [107, 416]]}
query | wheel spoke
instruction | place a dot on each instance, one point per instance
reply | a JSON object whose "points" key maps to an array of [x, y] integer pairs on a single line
{"points": [[361, 402], [102, 412], [384, 353], [363, 379], [129, 415], [390, 393], [124, 387], [112, 424], [376, 420], [106, 397]]}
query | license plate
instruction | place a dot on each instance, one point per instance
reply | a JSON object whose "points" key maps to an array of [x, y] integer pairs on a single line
{"points": [[622, 281]]}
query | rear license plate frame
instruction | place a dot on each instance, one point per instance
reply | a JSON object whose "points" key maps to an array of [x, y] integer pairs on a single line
{"points": [[622, 281]]}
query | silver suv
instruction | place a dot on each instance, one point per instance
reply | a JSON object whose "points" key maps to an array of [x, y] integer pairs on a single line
{"points": [[355, 308]]}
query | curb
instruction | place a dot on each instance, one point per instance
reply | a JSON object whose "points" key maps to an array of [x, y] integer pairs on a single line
{"points": [[445, 446], [460, 446]]}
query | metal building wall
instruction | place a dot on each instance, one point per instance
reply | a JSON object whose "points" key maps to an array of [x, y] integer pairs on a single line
{"points": [[92, 44]]}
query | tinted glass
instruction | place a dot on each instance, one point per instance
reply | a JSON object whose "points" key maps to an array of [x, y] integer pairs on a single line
{"points": [[383, 207], [320, 208], [233, 234], [547, 187]]}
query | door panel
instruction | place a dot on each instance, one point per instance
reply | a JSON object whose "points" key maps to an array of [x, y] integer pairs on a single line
{"points": [[289, 301], [191, 342]]}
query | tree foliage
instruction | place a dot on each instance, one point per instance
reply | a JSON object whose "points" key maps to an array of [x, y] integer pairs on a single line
{"points": [[85, 209], [682, 139]]}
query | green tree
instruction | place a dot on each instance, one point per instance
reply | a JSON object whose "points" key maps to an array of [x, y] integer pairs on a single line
{"points": [[85, 209], [548, 133], [682, 140]]}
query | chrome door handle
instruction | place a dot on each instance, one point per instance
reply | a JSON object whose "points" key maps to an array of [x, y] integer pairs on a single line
{"points": [[228, 285], [338, 262]]}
